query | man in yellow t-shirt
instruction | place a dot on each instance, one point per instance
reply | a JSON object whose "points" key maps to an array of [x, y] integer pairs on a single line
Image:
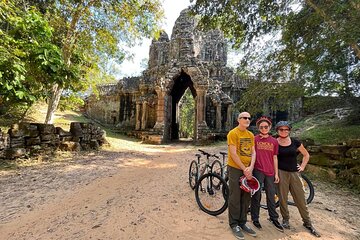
{"points": [[241, 149]]}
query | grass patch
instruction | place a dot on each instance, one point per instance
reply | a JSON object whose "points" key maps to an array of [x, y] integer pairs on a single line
{"points": [[37, 114], [332, 133], [326, 128]]}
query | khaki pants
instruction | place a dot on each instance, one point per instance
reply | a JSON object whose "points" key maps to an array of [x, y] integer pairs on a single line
{"points": [[239, 200], [290, 182]]}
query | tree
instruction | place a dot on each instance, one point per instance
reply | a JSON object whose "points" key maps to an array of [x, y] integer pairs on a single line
{"points": [[325, 53], [28, 59], [91, 32], [314, 44]]}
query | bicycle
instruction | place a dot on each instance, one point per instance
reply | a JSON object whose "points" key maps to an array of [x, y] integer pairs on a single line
{"points": [[194, 171], [211, 190], [219, 168], [197, 168]]}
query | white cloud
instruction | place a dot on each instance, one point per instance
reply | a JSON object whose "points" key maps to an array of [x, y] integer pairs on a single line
{"points": [[131, 67]]}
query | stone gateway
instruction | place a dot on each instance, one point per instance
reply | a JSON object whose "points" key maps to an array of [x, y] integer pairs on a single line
{"points": [[148, 106]]}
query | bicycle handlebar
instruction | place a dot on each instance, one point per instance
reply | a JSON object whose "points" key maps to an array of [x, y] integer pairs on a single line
{"points": [[208, 154]]}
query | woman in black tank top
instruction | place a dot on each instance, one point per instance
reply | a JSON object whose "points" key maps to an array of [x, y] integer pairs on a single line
{"points": [[289, 174]]}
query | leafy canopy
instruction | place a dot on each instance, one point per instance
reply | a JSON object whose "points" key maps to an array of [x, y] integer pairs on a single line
{"points": [[29, 62], [50, 46], [312, 45]]}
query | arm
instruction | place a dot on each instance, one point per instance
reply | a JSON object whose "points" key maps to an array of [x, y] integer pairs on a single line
{"points": [[253, 158], [248, 170], [235, 157], [306, 157], [276, 169]]}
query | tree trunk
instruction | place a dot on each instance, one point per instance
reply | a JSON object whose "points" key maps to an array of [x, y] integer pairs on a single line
{"points": [[53, 103], [66, 51]]}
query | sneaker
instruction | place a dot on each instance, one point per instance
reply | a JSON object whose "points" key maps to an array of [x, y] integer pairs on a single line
{"points": [[312, 230], [286, 224], [248, 230], [276, 223], [257, 224], [237, 232]]}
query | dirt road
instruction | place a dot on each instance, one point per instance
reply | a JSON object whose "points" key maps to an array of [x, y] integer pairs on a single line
{"points": [[137, 191]]}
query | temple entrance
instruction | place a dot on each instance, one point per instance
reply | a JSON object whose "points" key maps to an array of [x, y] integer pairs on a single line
{"points": [[182, 107]]}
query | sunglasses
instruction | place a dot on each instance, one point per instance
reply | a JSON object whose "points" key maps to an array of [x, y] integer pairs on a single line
{"points": [[264, 127], [246, 118], [284, 130]]}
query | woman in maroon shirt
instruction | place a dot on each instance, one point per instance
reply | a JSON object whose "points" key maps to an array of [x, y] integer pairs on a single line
{"points": [[266, 171]]}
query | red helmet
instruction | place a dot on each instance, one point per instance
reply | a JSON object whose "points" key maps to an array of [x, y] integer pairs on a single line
{"points": [[262, 119], [249, 185]]}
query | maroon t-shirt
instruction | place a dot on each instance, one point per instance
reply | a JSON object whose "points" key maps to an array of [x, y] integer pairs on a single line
{"points": [[265, 149]]}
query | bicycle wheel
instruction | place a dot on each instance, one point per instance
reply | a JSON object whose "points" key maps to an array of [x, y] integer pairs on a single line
{"points": [[216, 167], [210, 198], [193, 174]]}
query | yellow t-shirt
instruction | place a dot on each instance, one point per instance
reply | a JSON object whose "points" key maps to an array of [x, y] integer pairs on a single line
{"points": [[243, 141]]}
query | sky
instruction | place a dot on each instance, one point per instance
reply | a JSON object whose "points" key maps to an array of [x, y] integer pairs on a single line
{"points": [[132, 67]]}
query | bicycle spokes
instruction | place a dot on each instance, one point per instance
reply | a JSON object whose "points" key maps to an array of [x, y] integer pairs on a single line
{"points": [[209, 196]]}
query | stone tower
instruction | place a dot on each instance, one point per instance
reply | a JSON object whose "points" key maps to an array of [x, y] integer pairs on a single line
{"points": [[148, 106]]}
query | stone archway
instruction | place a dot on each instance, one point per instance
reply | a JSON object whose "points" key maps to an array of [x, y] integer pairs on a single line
{"points": [[191, 59], [180, 84]]}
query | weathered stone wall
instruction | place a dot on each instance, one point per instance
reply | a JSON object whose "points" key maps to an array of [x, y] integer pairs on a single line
{"points": [[28, 139], [342, 160], [106, 108]]}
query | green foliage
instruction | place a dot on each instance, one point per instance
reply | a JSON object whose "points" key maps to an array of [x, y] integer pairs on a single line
{"points": [[71, 102], [12, 114], [98, 29], [241, 21], [48, 46], [277, 96], [187, 114], [94, 32], [315, 39], [28, 60], [312, 43]]}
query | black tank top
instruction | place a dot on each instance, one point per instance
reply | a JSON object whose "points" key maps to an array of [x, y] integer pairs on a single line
{"points": [[287, 157]]}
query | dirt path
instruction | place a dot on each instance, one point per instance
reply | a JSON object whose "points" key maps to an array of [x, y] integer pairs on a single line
{"points": [[140, 192]]}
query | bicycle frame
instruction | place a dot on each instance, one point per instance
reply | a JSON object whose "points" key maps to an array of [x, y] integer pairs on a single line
{"points": [[198, 168]]}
